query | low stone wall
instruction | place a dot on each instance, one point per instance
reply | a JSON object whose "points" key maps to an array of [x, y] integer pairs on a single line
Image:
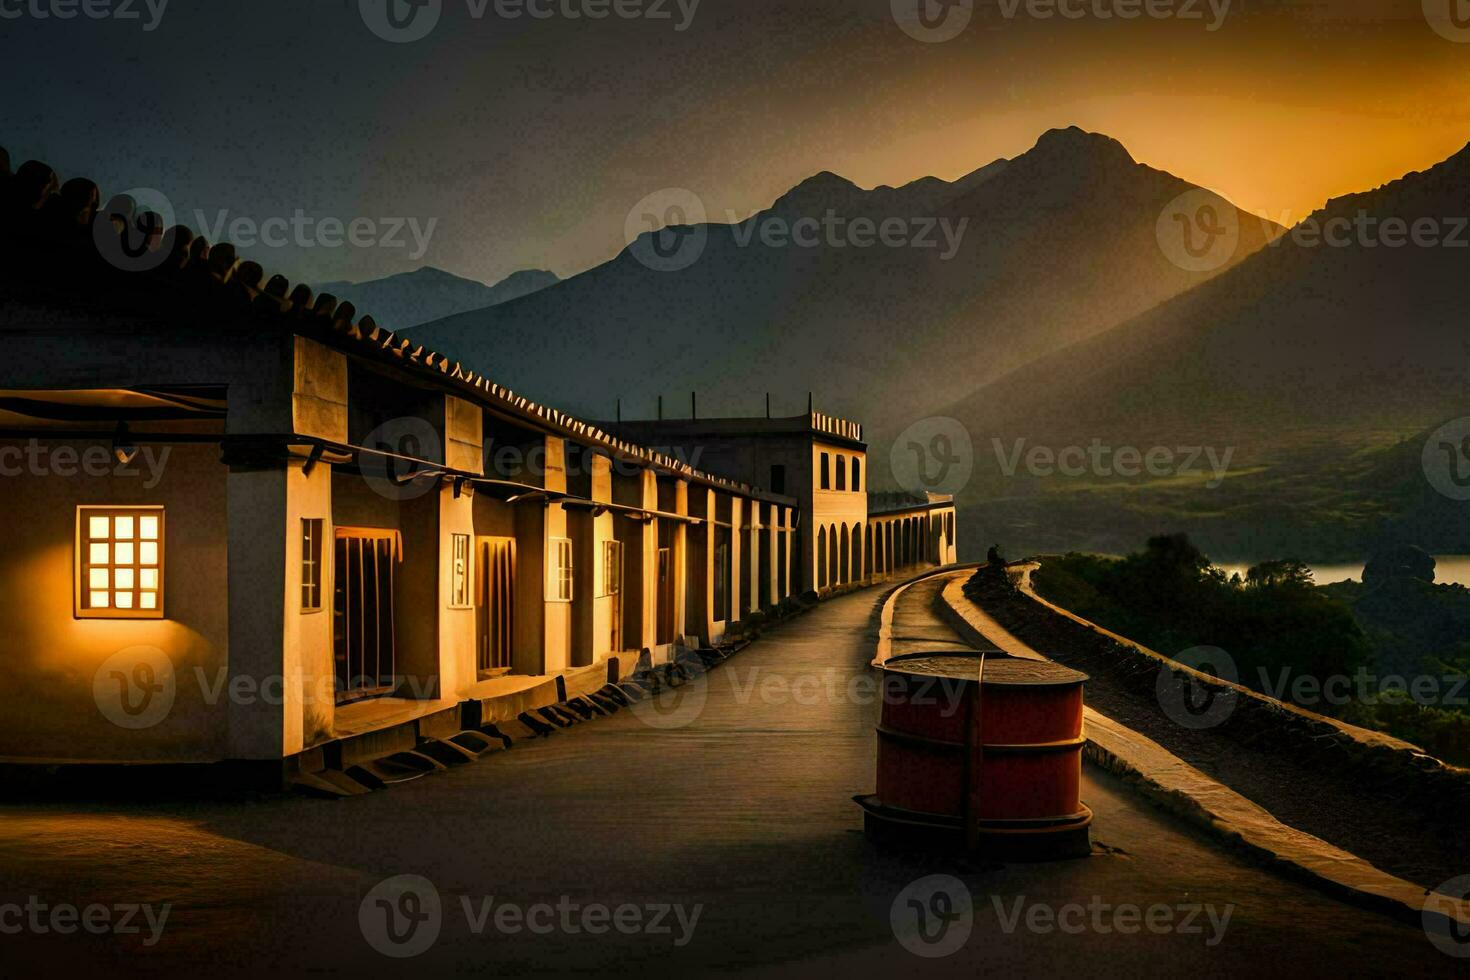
{"points": [[1255, 721]]}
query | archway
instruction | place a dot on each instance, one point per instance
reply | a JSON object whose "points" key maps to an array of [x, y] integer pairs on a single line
{"points": [[821, 558]]}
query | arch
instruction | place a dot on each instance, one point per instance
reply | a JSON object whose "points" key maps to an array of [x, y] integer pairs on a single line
{"points": [[858, 567], [844, 561], [868, 571], [832, 554], [821, 558]]}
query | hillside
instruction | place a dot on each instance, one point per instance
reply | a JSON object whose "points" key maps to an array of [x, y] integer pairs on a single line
{"points": [[411, 298], [1050, 248], [1322, 369]]}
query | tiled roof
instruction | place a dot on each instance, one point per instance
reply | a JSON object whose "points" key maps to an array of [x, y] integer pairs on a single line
{"points": [[60, 231]]}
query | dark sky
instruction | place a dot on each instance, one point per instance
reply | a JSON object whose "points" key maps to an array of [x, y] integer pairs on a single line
{"points": [[526, 141]]}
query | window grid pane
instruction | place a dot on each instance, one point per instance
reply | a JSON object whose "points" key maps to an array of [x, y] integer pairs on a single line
{"points": [[119, 563]]}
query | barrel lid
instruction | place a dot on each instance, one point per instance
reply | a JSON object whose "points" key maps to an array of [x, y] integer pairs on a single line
{"points": [[999, 668]]}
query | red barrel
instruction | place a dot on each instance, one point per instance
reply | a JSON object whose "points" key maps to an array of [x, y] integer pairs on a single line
{"points": [[989, 761]]}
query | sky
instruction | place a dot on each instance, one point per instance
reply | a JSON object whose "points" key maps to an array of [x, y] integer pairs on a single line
{"points": [[501, 141]]}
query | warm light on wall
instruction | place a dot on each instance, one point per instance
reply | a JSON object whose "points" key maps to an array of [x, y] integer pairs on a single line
{"points": [[119, 563]]}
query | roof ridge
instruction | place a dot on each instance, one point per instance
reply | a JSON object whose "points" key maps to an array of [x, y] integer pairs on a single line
{"points": [[37, 210]]}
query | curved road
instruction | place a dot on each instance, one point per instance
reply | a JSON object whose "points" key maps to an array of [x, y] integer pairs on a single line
{"points": [[730, 794]]}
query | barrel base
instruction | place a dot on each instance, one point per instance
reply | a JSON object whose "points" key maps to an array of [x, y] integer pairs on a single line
{"points": [[1052, 839]]}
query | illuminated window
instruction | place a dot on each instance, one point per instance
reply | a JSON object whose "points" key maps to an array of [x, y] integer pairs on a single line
{"points": [[459, 588], [311, 564], [612, 567], [559, 581], [119, 563]]}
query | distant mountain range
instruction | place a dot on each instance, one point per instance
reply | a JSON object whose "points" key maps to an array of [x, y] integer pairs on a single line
{"points": [[1322, 363], [980, 276], [411, 298], [1090, 301]]}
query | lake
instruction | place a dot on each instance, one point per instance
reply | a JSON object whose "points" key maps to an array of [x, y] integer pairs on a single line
{"points": [[1450, 570]]}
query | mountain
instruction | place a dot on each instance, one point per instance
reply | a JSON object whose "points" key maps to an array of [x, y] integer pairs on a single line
{"points": [[411, 298], [1323, 363], [972, 279]]}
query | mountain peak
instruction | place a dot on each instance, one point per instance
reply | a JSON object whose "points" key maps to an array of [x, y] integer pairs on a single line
{"points": [[1075, 143], [818, 192]]}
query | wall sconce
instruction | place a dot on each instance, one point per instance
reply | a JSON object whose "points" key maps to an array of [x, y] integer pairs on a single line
{"points": [[122, 445]]}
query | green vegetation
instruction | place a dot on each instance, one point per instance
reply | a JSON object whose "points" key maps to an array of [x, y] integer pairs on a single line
{"points": [[1288, 637]]}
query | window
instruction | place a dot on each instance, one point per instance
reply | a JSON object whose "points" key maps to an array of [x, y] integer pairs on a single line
{"points": [[311, 564], [778, 479], [459, 586], [559, 581], [826, 478], [119, 563], [722, 574], [857, 474], [841, 472], [612, 567]]}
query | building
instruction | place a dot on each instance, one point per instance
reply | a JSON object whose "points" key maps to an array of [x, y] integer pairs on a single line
{"points": [[246, 523], [849, 534]]}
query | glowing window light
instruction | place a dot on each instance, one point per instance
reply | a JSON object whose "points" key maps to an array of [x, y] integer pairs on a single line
{"points": [[119, 558]]}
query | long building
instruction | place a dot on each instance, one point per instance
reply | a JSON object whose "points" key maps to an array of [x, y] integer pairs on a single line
{"points": [[247, 523]]}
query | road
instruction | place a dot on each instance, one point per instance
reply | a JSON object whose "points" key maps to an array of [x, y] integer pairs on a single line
{"points": [[730, 800]]}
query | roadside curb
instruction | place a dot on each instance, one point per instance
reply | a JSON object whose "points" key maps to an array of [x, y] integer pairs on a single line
{"points": [[1172, 785]]}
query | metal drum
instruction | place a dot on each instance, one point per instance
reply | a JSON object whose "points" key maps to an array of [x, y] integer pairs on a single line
{"points": [[989, 761]]}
